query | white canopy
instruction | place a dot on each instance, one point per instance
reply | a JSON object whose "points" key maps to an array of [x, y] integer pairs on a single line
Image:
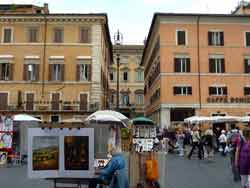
{"points": [[24, 117], [115, 114], [105, 119], [224, 119], [196, 119], [245, 119]]}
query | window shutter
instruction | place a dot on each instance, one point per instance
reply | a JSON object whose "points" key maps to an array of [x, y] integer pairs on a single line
{"points": [[50, 71], [25, 68], [212, 65], [175, 90], [37, 69], [247, 38], [190, 90], [177, 65], [77, 72], [181, 37], [84, 35], [246, 90], [211, 90], [224, 90], [62, 72], [209, 38], [83, 102], [89, 72], [188, 64], [11, 69], [223, 65], [222, 38], [247, 67]]}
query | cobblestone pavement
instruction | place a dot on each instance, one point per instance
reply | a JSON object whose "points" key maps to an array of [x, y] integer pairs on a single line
{"points": [[195, 173], [181, 173]]}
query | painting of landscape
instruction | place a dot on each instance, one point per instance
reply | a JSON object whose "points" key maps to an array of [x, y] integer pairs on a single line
{"points": [[76, 152], [45, 153]]}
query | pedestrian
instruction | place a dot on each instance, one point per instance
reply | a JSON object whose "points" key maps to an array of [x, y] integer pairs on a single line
{"points": [[233, 140], [242, 158], [223, 142], [180, 141], [195, 143], [208, 143]]}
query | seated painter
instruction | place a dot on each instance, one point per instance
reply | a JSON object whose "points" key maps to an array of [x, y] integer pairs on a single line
{"points": [[114, 173]]}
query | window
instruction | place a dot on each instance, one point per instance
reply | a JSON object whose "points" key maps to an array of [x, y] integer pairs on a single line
{"points": [[31, 72], [83, 102], [84, 72], [111, 76], [3, 101], [29, 101], [247, 39], [139, 75], [5, 71], [247, 65], [7, 35], [56, 72], [58, 35], [247, 90], [55, 101], [182, 64], [33, 34], [215, 38], [182, 90], [84, 35], [125, 99], [54, 119], [216, 65], [181, 37], [139, 99], [219, 91], [125, 76]]}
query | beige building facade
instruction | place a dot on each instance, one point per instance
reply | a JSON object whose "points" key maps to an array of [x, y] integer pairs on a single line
{"points": [[197, 64], [54, 66], [131, 80]]}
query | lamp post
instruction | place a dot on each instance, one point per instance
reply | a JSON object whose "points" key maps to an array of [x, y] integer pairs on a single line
{"points": [[118, 37]]}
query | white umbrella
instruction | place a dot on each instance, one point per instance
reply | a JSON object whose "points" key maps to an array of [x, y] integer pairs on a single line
{"points": [[104, 119], [196, 119], [245, 119], [24, 117], [224, 119], [115, 114]]}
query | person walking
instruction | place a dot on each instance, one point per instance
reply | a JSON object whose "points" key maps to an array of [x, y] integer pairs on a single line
{"points": [[223, 142], [242, 158], [195, 143], [180, 141], [208, 143], [233, 140]]}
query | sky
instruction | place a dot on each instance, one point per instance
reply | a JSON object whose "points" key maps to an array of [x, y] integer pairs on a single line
{"points": [[133, 17]]}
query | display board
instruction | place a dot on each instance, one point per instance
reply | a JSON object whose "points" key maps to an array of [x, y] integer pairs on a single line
{"points": [[57, 152], [6, 132]]}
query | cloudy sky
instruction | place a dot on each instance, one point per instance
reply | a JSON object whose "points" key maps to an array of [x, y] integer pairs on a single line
{"points": [[133, 17]]}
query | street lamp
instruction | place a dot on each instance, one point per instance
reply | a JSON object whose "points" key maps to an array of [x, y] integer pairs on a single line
{"points": [[118, 38]]}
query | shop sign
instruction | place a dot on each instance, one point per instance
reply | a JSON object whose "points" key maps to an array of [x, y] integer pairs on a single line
{"points": [[228, 99]]}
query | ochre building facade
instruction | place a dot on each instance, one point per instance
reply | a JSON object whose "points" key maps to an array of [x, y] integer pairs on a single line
{"points": [[54, 66], [197, 64], [131, 80]]}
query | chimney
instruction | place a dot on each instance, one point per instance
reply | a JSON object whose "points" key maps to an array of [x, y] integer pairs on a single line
{"points": [[46, 8]]}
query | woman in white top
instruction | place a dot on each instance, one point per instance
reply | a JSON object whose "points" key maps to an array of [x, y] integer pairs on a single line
{"points": [[223, 142]]}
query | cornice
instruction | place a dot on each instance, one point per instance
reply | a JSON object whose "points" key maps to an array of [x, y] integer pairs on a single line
{"points": [[39, 19]]}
